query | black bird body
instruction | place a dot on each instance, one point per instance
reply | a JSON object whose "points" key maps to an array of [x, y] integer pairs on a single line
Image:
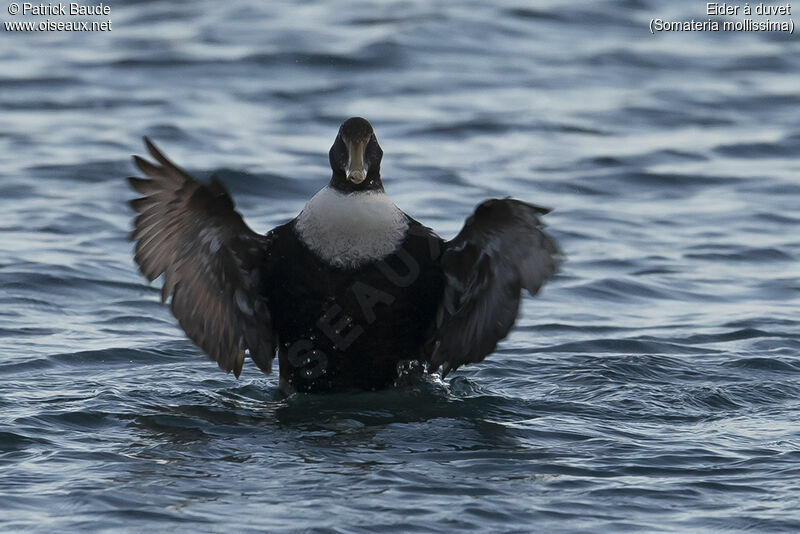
{"points": [[345, 328], [348, 292]]}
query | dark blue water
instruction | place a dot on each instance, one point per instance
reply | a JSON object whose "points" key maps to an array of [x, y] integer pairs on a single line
{"points": [[652, 386]]}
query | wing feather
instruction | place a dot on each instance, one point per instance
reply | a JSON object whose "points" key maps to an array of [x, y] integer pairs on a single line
{"points": [[501, 250], [190, 233]]}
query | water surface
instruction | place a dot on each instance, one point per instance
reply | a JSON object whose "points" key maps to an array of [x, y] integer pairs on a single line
{"points": [[653, 386]]}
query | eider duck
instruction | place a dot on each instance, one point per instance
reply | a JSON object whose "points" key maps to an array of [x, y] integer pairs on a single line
{"points": [[348, 293]]}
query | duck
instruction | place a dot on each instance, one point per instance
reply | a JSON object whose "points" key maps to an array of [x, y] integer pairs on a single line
{"points": [[351, 294]]}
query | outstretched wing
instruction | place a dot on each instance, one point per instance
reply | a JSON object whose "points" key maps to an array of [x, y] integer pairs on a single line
{"points": [[210, 259], [501, 250]]}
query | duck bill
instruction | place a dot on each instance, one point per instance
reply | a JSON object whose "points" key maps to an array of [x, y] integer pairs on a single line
{"points": [[356, 166]]}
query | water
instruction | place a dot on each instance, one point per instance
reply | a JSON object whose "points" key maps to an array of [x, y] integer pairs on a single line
{"points": [[652, 386]]}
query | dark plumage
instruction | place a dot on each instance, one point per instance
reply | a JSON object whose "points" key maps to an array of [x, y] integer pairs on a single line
{"points": [[347, 291]]}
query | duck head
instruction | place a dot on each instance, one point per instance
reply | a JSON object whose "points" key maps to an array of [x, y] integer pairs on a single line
{"points": [[356, 158]]}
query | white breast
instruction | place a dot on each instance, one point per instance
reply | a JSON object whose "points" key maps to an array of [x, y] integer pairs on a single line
{"points": [[349, 230]]}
